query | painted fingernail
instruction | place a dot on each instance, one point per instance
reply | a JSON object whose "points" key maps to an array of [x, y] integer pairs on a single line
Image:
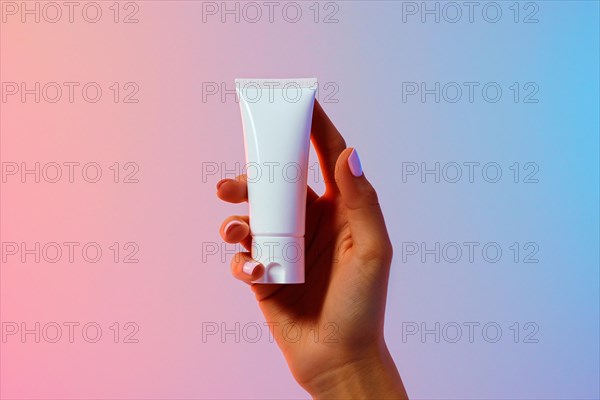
{"points": [[250, 266], [221, 182], [354, 163], [231, 225]]}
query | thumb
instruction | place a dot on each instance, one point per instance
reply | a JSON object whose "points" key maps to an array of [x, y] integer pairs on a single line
{"points": [[367, 225]]}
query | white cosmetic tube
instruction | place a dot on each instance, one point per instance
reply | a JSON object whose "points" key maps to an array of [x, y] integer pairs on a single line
{"points": [[277, 117]]}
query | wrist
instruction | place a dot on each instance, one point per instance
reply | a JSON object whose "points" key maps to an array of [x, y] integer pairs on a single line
{"points": [[371, 373]]}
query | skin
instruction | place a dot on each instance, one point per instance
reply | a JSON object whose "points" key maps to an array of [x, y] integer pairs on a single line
{"points": [[339, 310]]}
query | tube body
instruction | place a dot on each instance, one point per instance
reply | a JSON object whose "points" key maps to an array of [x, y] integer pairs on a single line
{"points": [[277, 117]]}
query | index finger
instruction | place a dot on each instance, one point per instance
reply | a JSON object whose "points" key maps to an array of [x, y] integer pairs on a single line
{"points": [[233, 191]]}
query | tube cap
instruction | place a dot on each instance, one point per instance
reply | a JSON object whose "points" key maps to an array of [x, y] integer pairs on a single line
{"points": [[282, 257]]}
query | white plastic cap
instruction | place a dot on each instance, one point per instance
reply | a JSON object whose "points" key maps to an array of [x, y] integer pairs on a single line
{"points": [[282, 257]]}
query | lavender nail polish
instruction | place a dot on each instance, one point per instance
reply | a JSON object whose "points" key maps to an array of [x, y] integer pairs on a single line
{"points": [[354, 163]]}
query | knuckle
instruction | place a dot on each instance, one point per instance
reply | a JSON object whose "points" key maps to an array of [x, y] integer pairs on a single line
{"points": [[376, 252], [370, 196], [390, 250], [335, 146], [236, 261], [233, 266], [338, 143]]}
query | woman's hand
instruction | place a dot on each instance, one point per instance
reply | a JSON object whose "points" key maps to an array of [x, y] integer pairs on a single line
{"points": [[336, 348]]}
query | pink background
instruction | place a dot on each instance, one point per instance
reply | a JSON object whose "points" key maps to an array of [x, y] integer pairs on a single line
{"points": [[172, 214]]}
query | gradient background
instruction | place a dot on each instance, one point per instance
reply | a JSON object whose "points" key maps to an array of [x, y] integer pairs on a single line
{"points": [[174, 135]]}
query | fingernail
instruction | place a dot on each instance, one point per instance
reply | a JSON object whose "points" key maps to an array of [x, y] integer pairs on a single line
{"points": [[221, 182], [250, 266], [230, 225], [354, 164]]}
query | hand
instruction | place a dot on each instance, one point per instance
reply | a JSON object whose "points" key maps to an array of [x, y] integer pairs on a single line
{"points": [[348, 258]]}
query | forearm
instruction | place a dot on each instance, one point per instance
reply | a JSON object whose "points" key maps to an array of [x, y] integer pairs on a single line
{"points": [[372, 376]]}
